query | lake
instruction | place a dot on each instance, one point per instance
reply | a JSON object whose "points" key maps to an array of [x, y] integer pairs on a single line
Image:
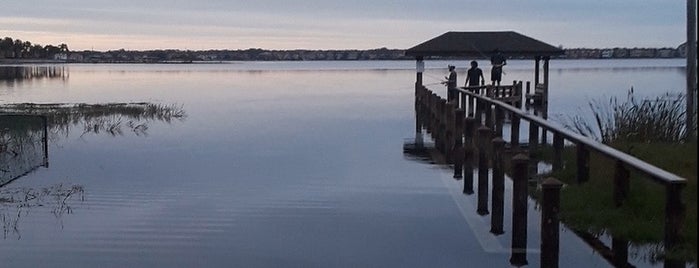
{"points": [[260, 164]]}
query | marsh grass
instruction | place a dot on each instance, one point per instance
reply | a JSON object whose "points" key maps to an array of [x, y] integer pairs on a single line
{"points": [[109, 118], [590, 206], [661, 119], [17, 202]]}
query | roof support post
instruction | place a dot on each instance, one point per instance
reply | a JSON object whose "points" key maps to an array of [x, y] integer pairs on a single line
{"points": [[420, 68], [537, 61]]}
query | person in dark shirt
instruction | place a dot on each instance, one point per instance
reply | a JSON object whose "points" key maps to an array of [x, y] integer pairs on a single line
{"points": [[497, 60], [473, 74], [451, 83]]}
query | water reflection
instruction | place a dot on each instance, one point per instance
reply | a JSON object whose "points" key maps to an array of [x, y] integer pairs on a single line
{"points": [[111, 118], [24, 131], [16, 203], [17, 74], [23, 146]]}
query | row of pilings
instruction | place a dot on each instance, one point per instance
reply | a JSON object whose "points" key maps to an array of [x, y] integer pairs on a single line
{"points": [[468, 132]]}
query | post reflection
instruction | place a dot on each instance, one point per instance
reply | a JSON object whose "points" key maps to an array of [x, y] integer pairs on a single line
{"points": [[24, 138], [17, 74]]}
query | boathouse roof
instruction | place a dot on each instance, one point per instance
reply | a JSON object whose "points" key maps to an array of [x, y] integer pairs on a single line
{"points": [[482, 44]]}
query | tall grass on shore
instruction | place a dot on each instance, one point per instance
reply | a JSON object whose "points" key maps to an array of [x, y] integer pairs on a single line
{"points": [[661, 119]]}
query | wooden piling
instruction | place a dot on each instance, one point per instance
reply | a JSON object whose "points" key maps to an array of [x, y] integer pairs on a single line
{"points": [[621, 183], [514, 132], [519, 209], [557, 151], [620, 249], [458, 152], [533, 137], [498, 190], [583, 163], [499, 121], [483, 146], [674, 214], [550, 207], [469, 127]]}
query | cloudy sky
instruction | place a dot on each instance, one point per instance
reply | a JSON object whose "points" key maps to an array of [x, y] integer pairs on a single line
{"points": [[336, 24]]}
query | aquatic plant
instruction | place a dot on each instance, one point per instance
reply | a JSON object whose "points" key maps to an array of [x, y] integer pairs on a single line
{"points": [[661, 119], [16, 202], [99, 118]]}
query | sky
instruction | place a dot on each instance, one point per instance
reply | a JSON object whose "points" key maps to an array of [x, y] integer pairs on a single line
{"points": [[336, 24]]}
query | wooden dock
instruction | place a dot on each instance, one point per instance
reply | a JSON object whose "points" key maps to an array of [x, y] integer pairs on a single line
{"points": [[468, 131]]}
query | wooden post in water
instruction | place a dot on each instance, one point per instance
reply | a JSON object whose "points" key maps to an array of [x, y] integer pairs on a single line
{"points": [[469, 129], [498, 192], [458, 152], [550, 206], [583, 163], [449, 112], [441, 112], [514, 132], [674, 214], [499, 121], [520, 177], [489, 122], [557, 151], [483, 141], [533, 137], [620, 248], [621, 183]]}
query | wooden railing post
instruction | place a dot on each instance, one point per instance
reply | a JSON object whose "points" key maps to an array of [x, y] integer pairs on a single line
{"points": [[583, 163], [520, 179], [557, 151], [458, 152], [499, 121], [489, 122], [533, 137], [483, 142], [449, 119], [621, 183], [674, 214], [514, 132], [469, 129], [550, 207], [498, 191]]}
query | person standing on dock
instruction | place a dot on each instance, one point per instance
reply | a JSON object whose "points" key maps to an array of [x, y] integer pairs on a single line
{"points": [[473, 74], [451, 83], [497, 60]]}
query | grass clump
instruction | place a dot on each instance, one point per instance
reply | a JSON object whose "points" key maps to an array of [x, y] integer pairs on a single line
{"points": [[652, 130]]}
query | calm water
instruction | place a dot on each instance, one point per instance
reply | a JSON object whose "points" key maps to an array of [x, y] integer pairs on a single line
{"points": [[291, 164]]}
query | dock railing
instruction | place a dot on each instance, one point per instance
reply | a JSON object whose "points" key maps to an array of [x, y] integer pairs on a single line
{"points": [[480, 113]]}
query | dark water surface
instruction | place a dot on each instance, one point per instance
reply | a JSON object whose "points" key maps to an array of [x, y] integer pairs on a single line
{"points": [[274, 165]]}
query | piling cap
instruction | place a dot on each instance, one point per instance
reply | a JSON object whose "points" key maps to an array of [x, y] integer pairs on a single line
{"points": [[520, 158], [551, 183]]}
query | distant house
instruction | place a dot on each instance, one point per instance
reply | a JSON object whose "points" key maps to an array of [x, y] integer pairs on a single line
{"points": [[61, 56], [607, 53], [75, 57]]}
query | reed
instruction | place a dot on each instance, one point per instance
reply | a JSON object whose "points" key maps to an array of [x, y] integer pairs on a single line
{"points": [[661, 119]]}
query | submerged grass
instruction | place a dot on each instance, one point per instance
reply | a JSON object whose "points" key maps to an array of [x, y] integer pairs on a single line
{"points": [[652, 130], [590, 206]]}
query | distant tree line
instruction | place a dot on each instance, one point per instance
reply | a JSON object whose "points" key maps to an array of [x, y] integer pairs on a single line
{"points": [[18, 49]]}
